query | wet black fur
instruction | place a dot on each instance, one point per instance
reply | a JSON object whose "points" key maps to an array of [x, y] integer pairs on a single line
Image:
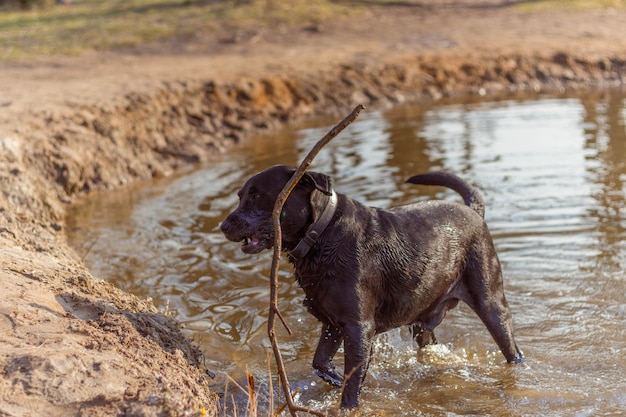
{"points": [[373, 270]]}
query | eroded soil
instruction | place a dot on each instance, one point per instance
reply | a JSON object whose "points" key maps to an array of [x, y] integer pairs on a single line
{"points": [[70, 343]]}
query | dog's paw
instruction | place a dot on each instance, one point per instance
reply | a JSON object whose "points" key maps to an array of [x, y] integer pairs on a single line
{"points": [[331, 376], [519, 358]]}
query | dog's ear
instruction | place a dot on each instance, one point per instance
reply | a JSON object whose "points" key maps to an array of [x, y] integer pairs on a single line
{"points": [[320, 181]]}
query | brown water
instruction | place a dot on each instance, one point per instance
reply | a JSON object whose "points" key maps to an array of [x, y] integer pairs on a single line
{"points": [[553, 174]]}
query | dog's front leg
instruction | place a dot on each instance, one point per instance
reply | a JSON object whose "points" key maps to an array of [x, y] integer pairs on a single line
{"points": [[323, 365], [358, 348]]}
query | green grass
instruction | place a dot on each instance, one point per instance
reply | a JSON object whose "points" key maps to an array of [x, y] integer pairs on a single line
{"points": [[101, 25]]}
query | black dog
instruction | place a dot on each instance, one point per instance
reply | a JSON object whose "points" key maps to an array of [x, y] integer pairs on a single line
{"points": [[366, 270]]}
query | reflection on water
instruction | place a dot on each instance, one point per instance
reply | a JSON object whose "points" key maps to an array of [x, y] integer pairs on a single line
{"points": [[553, 174]]}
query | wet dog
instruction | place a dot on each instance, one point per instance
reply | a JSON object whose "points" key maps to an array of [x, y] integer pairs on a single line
{"points": [[366, 270]]}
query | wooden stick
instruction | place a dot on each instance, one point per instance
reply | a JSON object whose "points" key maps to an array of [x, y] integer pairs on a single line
{"points": [[278, 207]]}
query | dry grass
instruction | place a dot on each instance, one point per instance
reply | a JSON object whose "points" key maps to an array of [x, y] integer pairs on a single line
{"points": [[101, 25], [547, 5]]}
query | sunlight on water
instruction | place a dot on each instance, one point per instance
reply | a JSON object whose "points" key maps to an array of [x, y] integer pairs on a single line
{"points": [[553, 174]]}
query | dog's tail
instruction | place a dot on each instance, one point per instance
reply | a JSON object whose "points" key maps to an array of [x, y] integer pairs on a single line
{"points": [[470, 195]]}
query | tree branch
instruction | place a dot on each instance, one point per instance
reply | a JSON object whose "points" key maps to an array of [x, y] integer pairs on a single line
{"points": [[278, 207]]}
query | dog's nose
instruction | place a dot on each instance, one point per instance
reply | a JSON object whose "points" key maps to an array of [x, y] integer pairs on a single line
{"points": [[225, 224]]}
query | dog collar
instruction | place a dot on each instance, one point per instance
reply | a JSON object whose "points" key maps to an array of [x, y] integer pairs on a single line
{"points": [[316, 229]]}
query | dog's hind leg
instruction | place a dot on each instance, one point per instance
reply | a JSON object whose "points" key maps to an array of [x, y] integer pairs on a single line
{"points": [[423, 330], [497, 318], [422, 336], [485, 295], [323, 366]]}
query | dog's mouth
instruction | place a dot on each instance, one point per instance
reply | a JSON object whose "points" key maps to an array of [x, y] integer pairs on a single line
{"points": [[253, 244]]}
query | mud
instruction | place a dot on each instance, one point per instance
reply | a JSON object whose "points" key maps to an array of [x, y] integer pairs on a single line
{"points": [[70, 343]]}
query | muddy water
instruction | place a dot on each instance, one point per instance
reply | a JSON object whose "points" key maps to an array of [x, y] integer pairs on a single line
{"points": [[553, 174]]}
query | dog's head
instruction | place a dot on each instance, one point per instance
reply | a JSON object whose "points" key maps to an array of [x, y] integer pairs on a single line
{"points": [[251, 222]]}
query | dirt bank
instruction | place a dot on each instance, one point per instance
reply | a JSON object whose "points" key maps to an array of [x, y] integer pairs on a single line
{"points": [[70, 344]]}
